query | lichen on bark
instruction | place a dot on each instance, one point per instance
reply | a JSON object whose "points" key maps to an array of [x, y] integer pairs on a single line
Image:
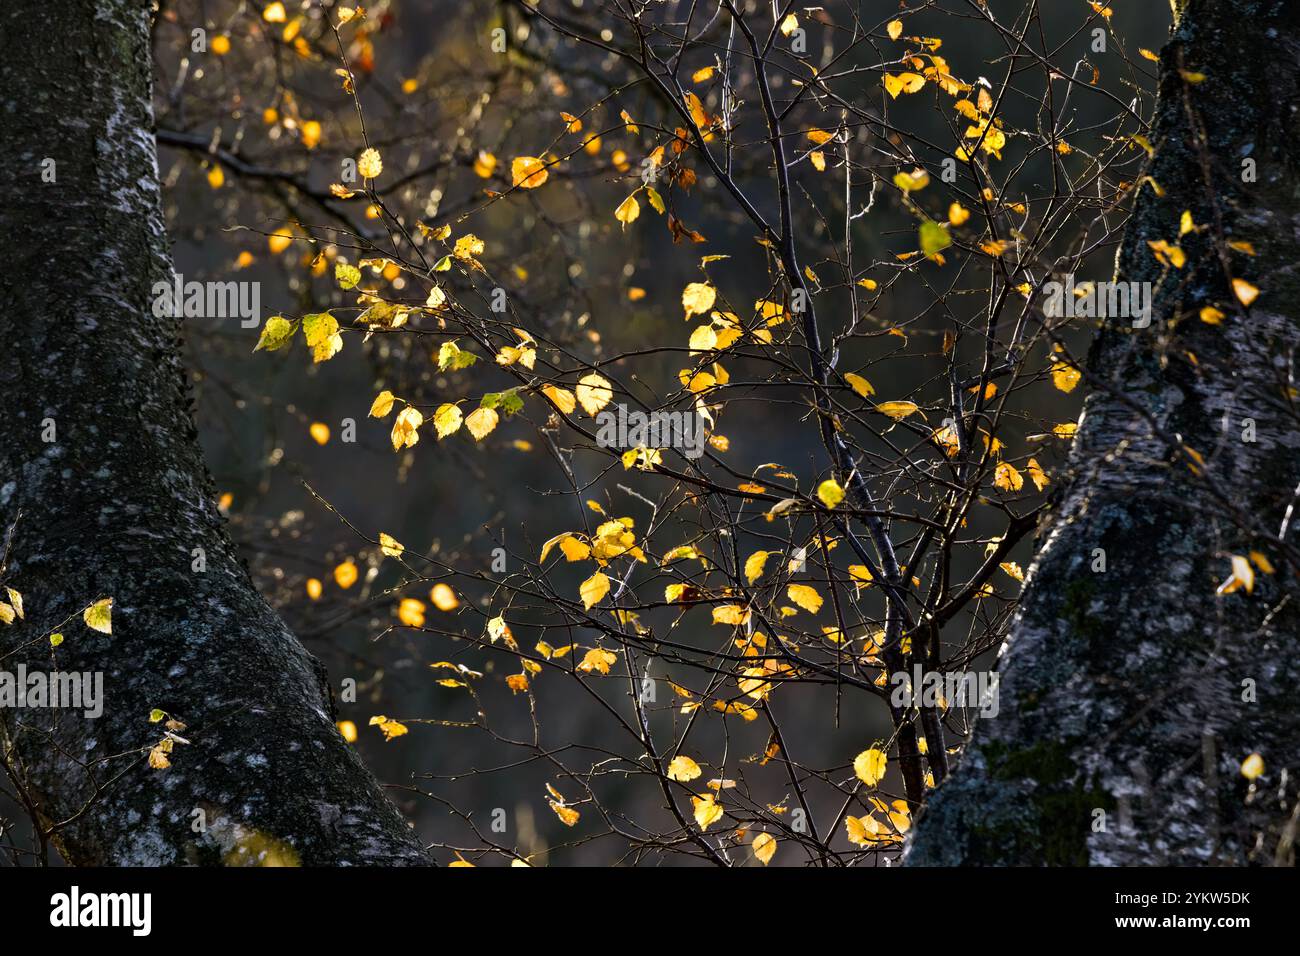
{"points": [[118, 504], [1125, 712]]}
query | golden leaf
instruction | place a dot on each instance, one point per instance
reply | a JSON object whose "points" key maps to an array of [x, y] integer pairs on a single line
{"points": [[593, 590], [593, 393], [683, 768], [805, 596], [528, 172], [869, 766]]}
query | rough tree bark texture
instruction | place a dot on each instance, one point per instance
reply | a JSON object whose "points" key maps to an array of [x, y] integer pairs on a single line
{"points": [[117, 505], [1123, 691]]}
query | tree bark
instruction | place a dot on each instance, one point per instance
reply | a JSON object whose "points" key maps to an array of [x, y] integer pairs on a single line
{"points": [[117, 505], [1126, 704]]}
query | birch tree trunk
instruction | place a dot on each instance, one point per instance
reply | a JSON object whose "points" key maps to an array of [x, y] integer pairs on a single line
{"points": [[120, 505], [1131, 696]]}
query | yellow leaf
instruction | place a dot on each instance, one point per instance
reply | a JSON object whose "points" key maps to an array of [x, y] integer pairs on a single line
{"points": [[1244, 291], [628, 210], [1252, 768], [369, 165], [446, 420], [764, 847], [698, 115], [1243, 576], [279, 240], [870, 766], [683, 769], [903, 83], [16, 599], [733, 614], [320, 432], [382, 405], [597, 659], [805, 596], [830, 493], [898, 410], [861, 830], [345, 575], [411, 612], [485, 164], [895, 29], [99, 616], [481, 421], [859, 384], [321, 330], [390, 728], [405, 427], [528, 172], [703, 339], [957, 213], [1007, 478], [1037, 475], [593, 393], [698, 298], [593, 590], [1258, 558], [443, 597], [1065, 376], [561, 398], [913, 181], [390, 545], [310, 131], [707, 811], [568, 816], [754, 566]]}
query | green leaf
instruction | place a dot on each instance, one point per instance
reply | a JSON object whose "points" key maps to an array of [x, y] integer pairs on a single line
{"points": [[452, 356], [276, 334], [934, 237], [508, 402], [347, 276]]}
